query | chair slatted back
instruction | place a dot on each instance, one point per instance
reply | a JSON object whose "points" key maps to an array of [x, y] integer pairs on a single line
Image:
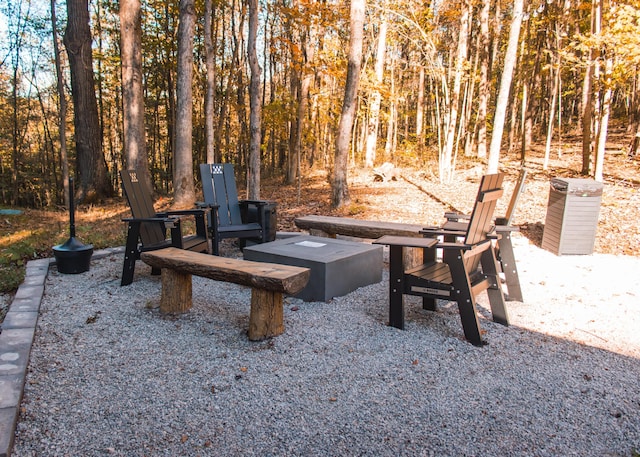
{"points": [[140, 201], [481, 220], [517, 190], [219, 188]]}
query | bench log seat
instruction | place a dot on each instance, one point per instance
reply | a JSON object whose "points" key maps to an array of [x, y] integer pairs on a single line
{"points": [[268, 281], [330, 226], [357, 228]]}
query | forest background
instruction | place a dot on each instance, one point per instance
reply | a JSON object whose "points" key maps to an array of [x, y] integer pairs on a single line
{"points": [[264, 85]]}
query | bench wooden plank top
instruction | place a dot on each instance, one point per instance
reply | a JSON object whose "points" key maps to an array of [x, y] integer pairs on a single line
{"points": [[357, 228], [260, 275]]}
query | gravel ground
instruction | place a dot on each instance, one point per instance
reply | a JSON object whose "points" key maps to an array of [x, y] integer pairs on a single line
{"points": [[109, 375]]}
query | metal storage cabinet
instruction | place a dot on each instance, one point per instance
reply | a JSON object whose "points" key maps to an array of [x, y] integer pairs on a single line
{"points": [[572, 216]]}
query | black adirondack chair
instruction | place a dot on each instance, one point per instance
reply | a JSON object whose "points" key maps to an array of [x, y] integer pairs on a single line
{"points": [[230, 217], [504, 247], [147, 230], [457, 277]]}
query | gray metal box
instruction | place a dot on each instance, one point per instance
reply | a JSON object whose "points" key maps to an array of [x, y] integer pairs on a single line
{"points": [[337, 266], [572, 216]]}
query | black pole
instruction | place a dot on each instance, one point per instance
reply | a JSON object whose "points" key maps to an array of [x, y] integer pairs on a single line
{"points": [[72, 218]]}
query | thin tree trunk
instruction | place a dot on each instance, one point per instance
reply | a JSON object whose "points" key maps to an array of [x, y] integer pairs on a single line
{"points": [[552, 111], [62, 116], [483, 84], [587, 99], [93, 183], [604, 121], [420, 108], [183, 185], [389, 150], [210, 55], [463, 37], [376, 96], [255, 112], [135, 148], [339, 184], [505, 87]]}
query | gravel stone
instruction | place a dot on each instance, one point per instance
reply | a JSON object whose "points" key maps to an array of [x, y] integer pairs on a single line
{"points": [[109, 375]]}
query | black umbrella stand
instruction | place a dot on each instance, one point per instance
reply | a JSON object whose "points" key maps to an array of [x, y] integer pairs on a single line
{"points": [[72, 257]]}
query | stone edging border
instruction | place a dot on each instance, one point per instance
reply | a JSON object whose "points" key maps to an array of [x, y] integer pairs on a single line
{"points": [[18, 333]]}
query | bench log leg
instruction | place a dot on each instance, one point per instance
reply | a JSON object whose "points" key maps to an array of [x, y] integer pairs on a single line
{"points": [[321, 233], [176, 292], [266, 318]]}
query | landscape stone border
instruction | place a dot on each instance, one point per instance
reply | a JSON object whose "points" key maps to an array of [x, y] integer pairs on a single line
{"points": [[18, 332]]}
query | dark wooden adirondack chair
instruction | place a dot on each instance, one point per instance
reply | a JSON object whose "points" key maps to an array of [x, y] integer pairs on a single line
{"points": [[229, 216], [147, 230], [504, 248], [457, 277]]}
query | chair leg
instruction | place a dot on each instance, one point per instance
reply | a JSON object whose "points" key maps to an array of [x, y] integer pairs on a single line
{"points": [[215, 244], [465, 300], [508, 262], [429, 255], [396, 287], [496, 297], [130, 253]]}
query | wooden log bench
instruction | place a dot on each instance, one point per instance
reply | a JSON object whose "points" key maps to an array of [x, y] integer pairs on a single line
{"points": [[331, 226], [268, 281], [357, 228]]}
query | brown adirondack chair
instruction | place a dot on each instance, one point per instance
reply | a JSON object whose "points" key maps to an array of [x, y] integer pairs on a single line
{"points": [[230, 217], [147, 229], [457, 277], [504, 248]]}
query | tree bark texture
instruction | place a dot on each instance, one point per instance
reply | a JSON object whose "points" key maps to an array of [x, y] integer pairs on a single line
{"points": [[339, 184], [376, 96], [210, 55], [255, 107], [184, 190], [94, 184], [505, 87], [446, 167], [135, 147], [62, 115]]}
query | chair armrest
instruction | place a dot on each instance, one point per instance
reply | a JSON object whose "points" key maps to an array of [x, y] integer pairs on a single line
{"points": [[207, 205], [440, 231], [478, 247], [258, 203], [185, 212], [169, 222], [148, 219], [451, 216], [406, 241], [506, 228]]}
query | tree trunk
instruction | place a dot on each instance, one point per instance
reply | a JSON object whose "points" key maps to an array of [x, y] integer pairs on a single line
{"points": [[587, 98], [505, 87], [210, 55], [184, 191], [420, 107], [598, 174], [339, 185], [94, 184], [255, 114], [62, 115], [135, 148], [374, 108], [483, 84], [389, 147], [447, 165], [552, 112]]}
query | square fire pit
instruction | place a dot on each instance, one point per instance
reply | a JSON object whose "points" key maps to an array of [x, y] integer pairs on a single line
{"points": [[337, 266]]}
